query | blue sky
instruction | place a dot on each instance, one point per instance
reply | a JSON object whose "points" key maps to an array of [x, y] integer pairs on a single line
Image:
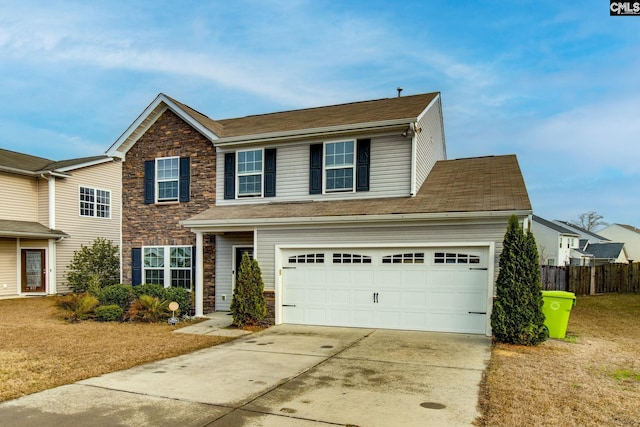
{"points": [[556, 83]]}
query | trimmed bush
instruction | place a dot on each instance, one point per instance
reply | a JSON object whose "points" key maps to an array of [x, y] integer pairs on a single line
{"points": [[182, 297], [94, 267], [120, 295], [248, 306], [517, 316], [151, 289], [109, 313], [77, 307]]}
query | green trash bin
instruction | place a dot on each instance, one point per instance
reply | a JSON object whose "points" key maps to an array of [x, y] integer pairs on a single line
{"points": [[556, 309]]}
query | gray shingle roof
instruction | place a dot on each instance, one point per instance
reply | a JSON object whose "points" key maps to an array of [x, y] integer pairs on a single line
{"points": [[604, 250], [554, 226], [33, 164]]}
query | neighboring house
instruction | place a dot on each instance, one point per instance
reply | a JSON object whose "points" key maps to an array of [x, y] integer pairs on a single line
{"points": [[49, 209], [600, 253], [628, 234], [352, 210], [554, 242], [586, 236]]}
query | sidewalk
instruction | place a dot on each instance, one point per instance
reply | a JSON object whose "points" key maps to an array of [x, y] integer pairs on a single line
{"points": [[217, 324]]}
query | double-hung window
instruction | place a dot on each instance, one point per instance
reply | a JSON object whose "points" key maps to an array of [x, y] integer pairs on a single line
{"points": [[95, 203], [169, 266], [167, 176], [249, 173], [339, 166]]}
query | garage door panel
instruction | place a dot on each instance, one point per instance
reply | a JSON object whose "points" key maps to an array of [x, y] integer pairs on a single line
{"points": [[418, 289]]}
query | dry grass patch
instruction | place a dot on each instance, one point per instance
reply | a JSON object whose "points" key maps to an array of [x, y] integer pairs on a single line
{"points": [[590, 379], [39, 350]]}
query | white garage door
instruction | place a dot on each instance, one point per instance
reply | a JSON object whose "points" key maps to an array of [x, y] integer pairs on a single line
{"points": [[426, 289]]}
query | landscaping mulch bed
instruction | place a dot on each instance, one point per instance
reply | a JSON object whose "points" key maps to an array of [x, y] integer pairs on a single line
{"points": [[592, 378], [39, 350]]}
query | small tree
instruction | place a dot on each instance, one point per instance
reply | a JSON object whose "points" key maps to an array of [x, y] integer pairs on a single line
{"points": [[517, 316], [589, 220], [94, 267], [248, 305]]}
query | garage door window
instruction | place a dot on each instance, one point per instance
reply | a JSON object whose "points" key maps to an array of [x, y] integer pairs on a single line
{"points": [[351, 259], [408, 258], [455, 258], [307, 259]]}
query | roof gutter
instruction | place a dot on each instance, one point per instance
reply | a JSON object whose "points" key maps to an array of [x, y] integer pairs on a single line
{"points": [[315, 132], [40, 173], [19, 234], [230, 224]]}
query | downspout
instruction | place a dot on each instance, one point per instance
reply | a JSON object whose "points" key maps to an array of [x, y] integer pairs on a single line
{"points": [[414, 157], [51, 262]]}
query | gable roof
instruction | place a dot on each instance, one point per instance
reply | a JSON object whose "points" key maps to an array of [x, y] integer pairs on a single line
{"points": [[560, 229], [386, 112], [629, 227], [489, 184], [26, 164], [581, 230], [604, 250]]}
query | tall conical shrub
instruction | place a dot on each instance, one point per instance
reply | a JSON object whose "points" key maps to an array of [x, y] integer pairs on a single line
{"points": [[517, 316], [248, 305]]}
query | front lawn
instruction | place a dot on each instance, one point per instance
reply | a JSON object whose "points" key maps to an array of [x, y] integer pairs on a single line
{"points": [[38, 350], [592, 378]]}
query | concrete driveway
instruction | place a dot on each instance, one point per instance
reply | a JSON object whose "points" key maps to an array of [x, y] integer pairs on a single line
{"points": [[284, 376]]}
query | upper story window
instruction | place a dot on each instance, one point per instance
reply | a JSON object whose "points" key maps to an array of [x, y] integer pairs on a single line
{"points": [[250, 173], [167, 179], [339, 166], [95, 202]]}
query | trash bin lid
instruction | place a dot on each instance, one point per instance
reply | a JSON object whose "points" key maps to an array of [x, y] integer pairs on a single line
{"points": [[559, 294]]}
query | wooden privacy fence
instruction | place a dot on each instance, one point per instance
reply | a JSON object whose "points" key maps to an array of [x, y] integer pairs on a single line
{"points": [[602, 278]]}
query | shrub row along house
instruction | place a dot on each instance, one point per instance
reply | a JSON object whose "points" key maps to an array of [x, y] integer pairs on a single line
{"points": [[353, 211]]}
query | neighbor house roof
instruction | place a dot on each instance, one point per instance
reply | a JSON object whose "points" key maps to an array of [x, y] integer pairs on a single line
{"points": [[604, 250], [581, 230], [462, 185], [630, 228], [9, 228], [26, 164], [560, 229]]}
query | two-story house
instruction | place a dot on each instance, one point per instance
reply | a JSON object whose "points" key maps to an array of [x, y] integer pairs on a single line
{"points": [[352, 210], [48, 210], [628, 234], [554, 241]]}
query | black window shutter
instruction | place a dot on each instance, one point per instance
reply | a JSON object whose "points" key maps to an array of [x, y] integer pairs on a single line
{"points": [[315, 169], [149, 181], [363, 165], [270, 172], [185, 179], [136, 266], [230, 175]]}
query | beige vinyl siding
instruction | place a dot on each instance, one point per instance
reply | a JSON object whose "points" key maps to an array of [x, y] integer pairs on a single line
{"points": [[390, 172], [224, 265], [43, 202], [8, 267], [491, 230], [19, 195], [84, 230], [430, 145]]}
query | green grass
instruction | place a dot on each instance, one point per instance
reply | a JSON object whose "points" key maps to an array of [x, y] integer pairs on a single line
{"points": [[626, 375]]}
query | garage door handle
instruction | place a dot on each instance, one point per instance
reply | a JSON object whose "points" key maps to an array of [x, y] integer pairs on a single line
{"points": [[375, 297], [477, 312], [288, 305]]}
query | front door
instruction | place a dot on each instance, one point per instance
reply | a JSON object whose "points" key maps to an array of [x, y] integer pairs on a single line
{"points": [[33, 270]]}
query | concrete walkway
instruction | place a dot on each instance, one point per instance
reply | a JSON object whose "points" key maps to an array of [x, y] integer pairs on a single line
{"points": [[217, 324], [284, 376]]}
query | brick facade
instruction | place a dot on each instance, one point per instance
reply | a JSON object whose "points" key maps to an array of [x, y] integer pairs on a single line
{"points": [[158, 224]]}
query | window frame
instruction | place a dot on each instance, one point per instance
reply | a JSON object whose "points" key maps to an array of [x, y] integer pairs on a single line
{"points": [[252, 173], [166, 269], [94, 204], [157, 180], [326, 168]]}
